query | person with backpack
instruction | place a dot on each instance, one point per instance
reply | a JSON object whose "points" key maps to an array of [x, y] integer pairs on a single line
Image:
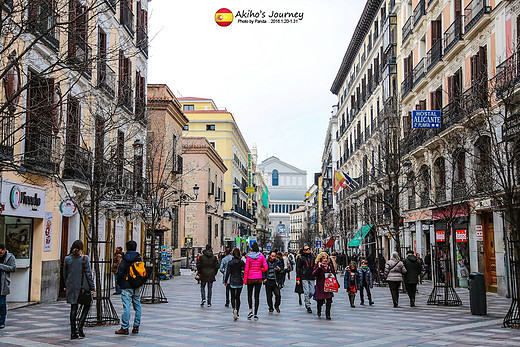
{"points": [[234, 279], [207, 266], [223, 268], [130, 276]]}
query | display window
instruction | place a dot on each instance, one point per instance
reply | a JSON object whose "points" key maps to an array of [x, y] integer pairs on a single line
{"points": [[16, 234]]}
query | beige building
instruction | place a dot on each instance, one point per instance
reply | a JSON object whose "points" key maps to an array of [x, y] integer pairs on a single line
{"points": [[298, 221]]}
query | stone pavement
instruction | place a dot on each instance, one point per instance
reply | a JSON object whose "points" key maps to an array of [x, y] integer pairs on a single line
{"points": [[183, 322]]}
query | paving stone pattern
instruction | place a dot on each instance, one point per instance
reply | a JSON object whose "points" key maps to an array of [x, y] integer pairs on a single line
{"points": [[182, 322]]}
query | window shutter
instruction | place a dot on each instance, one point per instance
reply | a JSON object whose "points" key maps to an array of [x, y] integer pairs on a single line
{"points": [[450, 88]]}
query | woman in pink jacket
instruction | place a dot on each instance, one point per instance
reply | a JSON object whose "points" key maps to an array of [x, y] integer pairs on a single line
{"points": [[255, 266]]}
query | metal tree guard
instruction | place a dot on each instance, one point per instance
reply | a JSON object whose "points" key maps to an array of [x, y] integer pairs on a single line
{"points": [[101, 304], [512, 318], [151, 291], [443, 293]]}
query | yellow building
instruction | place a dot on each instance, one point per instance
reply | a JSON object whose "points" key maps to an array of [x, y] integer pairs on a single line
{"points": [[222, 132]]}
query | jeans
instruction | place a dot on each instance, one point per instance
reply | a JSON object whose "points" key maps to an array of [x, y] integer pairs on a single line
{"points": [[411, 289], [394, 290], [82, 318], [130, 296], [256, 287], [228, 291], [203, 291], [235, 297], [3, 308], [308, 291], [362, 297], [117, 287], [271, 287]]}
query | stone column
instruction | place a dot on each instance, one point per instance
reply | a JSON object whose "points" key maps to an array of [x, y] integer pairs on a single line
{"points": [[498, 226], [419, 237], [472, 242]]}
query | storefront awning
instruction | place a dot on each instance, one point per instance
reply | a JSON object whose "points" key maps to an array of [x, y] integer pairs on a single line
{"points": [[360, 235]]}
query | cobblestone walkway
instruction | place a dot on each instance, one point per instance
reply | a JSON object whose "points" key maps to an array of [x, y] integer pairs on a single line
{"points": [[183, 322]]}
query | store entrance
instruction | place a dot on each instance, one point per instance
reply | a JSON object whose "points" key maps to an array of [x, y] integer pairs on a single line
{"points": [[490, 269], [17, 233]]}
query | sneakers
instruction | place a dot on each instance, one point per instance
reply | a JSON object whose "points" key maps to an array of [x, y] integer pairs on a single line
{"points": [[309, 310], [202, 303], [74, 336], [209, 304], [277, 309], [250, 315], [371, 303], [81, 334], [235, 314], [135, 330], [256, 317], [122, 332]]}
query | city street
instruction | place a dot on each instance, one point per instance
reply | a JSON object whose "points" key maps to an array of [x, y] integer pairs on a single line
{"points": [[183, 322]]}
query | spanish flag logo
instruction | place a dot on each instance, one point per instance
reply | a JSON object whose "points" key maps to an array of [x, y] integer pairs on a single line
{"points": [[224, 17]]}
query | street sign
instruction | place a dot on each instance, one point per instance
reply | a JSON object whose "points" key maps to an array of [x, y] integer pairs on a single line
{"points": [[269, 247], [426, 119], [250, 190], [318, 244]]}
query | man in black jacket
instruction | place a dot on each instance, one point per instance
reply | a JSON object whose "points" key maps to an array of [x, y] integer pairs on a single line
{"points": [[273, 281], [411, 277], [304, 268], [129, 295]]}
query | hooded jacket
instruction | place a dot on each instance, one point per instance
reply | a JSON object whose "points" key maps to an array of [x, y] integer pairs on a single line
{"points": [[304, 267], [235, 273], [223, 266], [8, 266], [413, 269], [123, 269], [255, 266], [207, 266]]}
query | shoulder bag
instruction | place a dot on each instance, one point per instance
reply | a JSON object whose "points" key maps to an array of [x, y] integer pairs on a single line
{"points": [[85, 296]]}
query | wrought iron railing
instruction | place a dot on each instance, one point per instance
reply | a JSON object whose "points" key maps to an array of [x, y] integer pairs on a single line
{"points": [[434, 55], [419, 71], [411, 201], [44, 24], [474, 11], [476, 97], [242, 212], [419, 12], [126, 17], [407, 29], [452, 113], [453, 34], [407, 84], [80, 53], [440, 194], [7, 136], [78, 163], [425, 198], [508, 74], [459, 189], [106, 77], [41, 150]]}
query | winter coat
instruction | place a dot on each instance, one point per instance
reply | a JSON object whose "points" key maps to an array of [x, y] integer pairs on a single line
{"points": [[235, 273], [413, 269], [207, 266], [350, 282], [115, 262], [123, 269], [72, 270], [272, 273], [369, 277], [305, 267], [319, 273], [256, 265], [223, 266], [6, 267], [394, 271]]}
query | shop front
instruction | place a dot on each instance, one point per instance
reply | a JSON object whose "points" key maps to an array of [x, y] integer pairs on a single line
{"points": [[23, 212]]}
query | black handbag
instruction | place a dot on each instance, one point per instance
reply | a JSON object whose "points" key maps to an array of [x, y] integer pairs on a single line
{"points": [[85, 296]]}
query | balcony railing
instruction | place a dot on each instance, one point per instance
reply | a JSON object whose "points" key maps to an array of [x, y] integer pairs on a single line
{"points": [[106, 78], [142, 40], [473, 12], [419, 71], [452, 113], [434, 55], [125, 95], [416, 138], [242, 212], [476, 97], [127, 17], [453, 34], [41, 150], [44, 24], [459, 189], [484, 182], [406, 86], [80, 53], [419, 11], [407, 29], [78, 163], [7, 137], [508, 74], [440, 194]]}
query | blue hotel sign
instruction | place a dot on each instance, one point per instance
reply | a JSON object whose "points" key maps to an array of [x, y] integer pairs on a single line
{"points": [[426, 119]]}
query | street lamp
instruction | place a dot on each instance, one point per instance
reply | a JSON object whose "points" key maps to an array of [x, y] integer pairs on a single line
{"points": [[196, 191], [407, 166]]}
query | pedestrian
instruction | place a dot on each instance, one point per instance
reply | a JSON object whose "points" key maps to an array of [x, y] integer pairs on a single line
{"points": [[394, 271], [234, 279], [292, 262], [287, 266], [256, 265], [334, 260], [323, 266], [7, 265], [428, 264], [411, 277], [304, 269], [77, 275], [371, 262], [365, 282], [280, 256], [354, 257], [273, 279], [381, 262], [118, 254], [223, 267], [207, 267], [351, 282]]}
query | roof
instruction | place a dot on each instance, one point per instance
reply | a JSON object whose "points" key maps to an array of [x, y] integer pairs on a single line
{"points": [[276, 159], [369, 13], [300, 209], [194, 98]]}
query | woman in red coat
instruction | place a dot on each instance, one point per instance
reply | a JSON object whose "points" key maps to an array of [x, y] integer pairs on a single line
{"points": [[323, 266]]}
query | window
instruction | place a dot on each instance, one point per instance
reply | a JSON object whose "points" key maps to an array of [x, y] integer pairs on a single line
{"points": [[127, 16], [212, 143], [274, 178], [186, 127], [42, 21], [142, 29], [120, 153], [140, 99], [78, 50], [210, 127], [125, 81], [188, 107]]}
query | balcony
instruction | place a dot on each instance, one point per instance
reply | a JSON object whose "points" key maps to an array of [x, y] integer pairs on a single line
{"points": [[434, 55], [41, 150], [452, 35], [473, 12], [419, 12], [419, 71], [452, 113], [80, 54], [242, 212], [406, 85], [7, 137], [44, 24], [508, 75], [106, 78], [126, 17], [125, 95], [416, 138], [142, 40], [440, 194], [459, 189], [78, 163], [407, 29], [476, 97]]}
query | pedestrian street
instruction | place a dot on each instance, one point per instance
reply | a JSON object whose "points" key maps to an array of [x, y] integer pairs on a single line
{"points": [[182, 322]]}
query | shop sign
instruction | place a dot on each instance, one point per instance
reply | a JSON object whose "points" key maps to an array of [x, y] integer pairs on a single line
{"points": [[479, 233], [68, 208], [426, 119], [461, 235], [250, 190], [22, 200], [228, 238], [439, 236], [47, 239]]}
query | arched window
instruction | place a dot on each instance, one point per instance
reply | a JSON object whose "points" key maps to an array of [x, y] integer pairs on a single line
{"points": [[274, 178], [439, 174], [484, 164]]}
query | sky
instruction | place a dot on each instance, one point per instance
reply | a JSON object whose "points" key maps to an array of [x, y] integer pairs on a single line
{"points": [[275, 78]]}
